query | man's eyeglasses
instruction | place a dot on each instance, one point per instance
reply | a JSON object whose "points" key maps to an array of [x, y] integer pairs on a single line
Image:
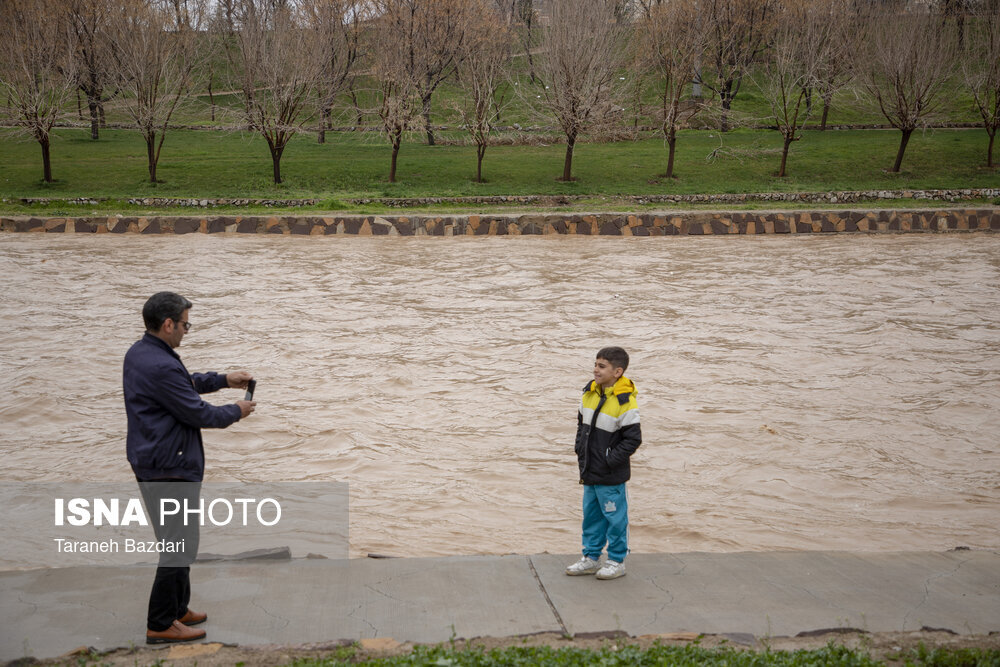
{"points": [[186, 325]]}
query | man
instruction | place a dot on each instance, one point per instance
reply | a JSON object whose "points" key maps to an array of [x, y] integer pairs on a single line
{"points": [[164, 446]]}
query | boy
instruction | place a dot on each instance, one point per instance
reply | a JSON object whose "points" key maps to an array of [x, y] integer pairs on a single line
{"points": [[607, 434]]}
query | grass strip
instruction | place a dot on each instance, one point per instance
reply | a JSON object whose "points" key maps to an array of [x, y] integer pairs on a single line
{"points": [[353, 166], [630, 656]]}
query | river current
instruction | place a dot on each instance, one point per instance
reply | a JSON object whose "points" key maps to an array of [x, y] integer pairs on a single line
{"points": [[795, 392]]}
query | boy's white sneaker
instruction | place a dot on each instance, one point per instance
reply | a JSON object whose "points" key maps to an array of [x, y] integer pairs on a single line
{"points": [[611, 570], [585, 565]]}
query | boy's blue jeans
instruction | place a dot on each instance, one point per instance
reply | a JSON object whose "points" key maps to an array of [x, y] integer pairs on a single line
{"points": [[605, 521]]}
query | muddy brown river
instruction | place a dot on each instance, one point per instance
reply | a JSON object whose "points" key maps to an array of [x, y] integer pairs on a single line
{"points": [[795, 392]]}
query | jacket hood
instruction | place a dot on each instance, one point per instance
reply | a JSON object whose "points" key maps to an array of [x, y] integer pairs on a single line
{"points": [[622, 386]]}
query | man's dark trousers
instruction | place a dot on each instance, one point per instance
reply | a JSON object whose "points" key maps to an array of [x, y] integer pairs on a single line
{"points": [[168, 600]]}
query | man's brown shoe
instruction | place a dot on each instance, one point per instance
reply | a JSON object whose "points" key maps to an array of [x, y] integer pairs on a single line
{"points": [[178, 632], [193, 617]]}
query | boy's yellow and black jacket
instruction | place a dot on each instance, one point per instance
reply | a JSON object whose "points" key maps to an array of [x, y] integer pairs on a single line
{"points": [[607, 432]]}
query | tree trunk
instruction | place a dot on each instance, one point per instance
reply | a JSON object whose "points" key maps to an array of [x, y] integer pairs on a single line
{"points": [[151, 156], [671, 146], [568, 162], [989, 148], [826, 113], [784, 156], [95, 119], [211, 96], [727, 103], [324, 122], [357, 107], [902, 149], [396, 140], [480, 154], [46, 160], [276, 152], [427, 119], [79, 105]]}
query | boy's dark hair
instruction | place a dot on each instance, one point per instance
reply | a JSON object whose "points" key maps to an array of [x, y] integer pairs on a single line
{"points": [[161, 307], [616, 356]]}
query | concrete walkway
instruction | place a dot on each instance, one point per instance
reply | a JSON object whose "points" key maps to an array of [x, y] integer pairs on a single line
{"points": [[45, 613]]}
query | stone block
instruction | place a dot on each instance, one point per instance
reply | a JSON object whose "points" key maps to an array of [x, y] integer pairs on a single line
{"points": [[248, 225], [186, 225], [300, 227], [383, 227], [216, 225], [118, 226], [352, 225], [608, 228]]}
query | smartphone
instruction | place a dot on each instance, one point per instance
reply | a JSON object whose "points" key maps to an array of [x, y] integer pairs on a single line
{"points": [[250, 387]]}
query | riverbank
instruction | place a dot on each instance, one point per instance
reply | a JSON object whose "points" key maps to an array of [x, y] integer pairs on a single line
{"points": [[690, 223], [750, 599]]}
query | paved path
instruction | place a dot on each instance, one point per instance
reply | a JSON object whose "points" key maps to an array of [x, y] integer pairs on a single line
{"points": [[44, 613]]}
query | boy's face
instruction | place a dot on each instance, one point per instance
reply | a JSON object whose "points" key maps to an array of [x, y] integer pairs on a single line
{"points": [[605, 374]]}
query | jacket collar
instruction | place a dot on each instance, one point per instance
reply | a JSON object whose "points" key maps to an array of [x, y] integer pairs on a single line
{"points": [[622, 386], [154, 340]]}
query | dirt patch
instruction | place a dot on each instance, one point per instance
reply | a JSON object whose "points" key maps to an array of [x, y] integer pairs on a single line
{"points": [[889, 647]]}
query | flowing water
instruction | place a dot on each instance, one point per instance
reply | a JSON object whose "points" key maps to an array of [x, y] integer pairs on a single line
{"points": [[795, 392]]}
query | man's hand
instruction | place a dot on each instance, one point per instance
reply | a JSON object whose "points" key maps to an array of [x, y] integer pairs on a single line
{"points": [[238, 380], [246, 407]]}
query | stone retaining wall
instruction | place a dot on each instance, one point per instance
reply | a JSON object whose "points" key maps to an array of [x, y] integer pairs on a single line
{"points": [[603, 224]]}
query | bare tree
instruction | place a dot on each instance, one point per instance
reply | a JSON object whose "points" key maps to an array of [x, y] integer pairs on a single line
{"points": [[981, 68], [672, 47], [484, 68], [37, 76], [276, 64], [803, 41], [736, 33], [906, 60], [396, 92], [956, 11], [337, 27], [89, 19], [154, 57], [522, 17], [432, 33], [579, 68], [835, 73]]}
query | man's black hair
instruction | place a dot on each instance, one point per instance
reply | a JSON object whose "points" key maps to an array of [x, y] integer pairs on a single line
{"points": [[161, 307], [616, 356]]}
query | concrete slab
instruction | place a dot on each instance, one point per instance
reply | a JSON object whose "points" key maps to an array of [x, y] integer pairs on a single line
{"points": [[45, 613], [782, 593]]}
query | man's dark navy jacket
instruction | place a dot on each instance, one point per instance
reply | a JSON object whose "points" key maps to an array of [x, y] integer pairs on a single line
{"points": [[166, 413]]}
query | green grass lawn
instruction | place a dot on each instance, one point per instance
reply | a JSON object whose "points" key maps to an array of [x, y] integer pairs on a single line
{"points": [[631, 656], [216, 164]]}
